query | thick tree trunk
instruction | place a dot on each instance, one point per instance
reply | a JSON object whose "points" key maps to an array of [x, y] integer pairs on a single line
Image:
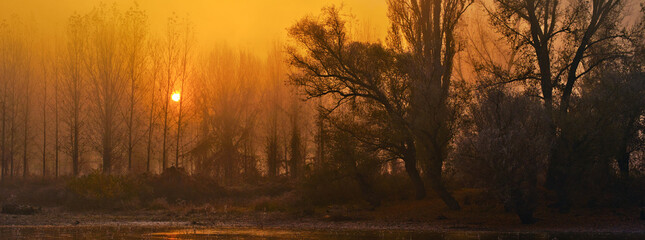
{"points": [[410, 161], [434, 148], [523, 207], [436, 183]]}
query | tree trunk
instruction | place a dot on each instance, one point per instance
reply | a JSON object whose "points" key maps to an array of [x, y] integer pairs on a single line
{"points": [[164, 152], [367, 190], [4, 127], [75, 147], [45, 130], [434, 169], [438, 187], [623, 161], [56, 130], [25, 164], [410, 161], [107, 150], [557, 175]]}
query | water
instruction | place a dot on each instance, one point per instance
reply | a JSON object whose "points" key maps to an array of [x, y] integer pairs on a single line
{"points": [[123, 232]]}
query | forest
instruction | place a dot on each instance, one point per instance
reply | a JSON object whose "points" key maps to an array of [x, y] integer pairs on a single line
{"points": [[519, 107]]}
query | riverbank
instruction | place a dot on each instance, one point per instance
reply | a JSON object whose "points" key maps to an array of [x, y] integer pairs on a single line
{"points": [[425, 215]]}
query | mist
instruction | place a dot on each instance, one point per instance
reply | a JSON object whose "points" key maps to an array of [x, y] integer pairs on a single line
{"points": [[492, 114]]}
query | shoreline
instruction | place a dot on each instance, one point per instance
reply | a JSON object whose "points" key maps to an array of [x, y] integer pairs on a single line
{"points": [[151, 220]]}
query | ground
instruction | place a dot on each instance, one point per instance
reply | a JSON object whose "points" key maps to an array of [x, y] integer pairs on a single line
{"points": [[422, 215]]}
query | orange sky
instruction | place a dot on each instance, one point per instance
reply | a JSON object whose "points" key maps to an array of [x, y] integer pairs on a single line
{"points": [[248, 24]]}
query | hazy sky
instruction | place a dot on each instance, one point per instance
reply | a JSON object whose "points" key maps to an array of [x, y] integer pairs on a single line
{"points": [[249, 24]]}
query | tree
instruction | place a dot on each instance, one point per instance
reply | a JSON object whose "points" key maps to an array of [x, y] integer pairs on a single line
{"points": [[345, 70], [106, 71], [57, 73], [73, 85], [423, 33], [135, 30], [275, 91], [296, 155], [503, 149], [229, 101], [170, 60], [16, 73], [154, 74], [386, 80], [565, 41], [45, 77], [186, 51], [26, 106]]}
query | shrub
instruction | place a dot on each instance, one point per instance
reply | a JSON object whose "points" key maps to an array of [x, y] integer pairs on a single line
{"points": [[174, 184], [99, 190], [505, 149]]}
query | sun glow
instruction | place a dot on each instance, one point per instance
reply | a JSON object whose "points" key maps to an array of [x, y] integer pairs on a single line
{"points": [[175, 96]]}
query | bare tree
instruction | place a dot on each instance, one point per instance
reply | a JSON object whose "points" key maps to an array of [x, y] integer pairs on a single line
{"points": [[73, 85], [566, 41], [423, 32], [135, 30], [56, 72], [503, 150], [16, 75], [296, 150], [155, 67], [6, 70], [186, 49], [170, 55], [27, 113], [416, 74], [274, 98], [45, 76], [229, 99], [105, 70]]}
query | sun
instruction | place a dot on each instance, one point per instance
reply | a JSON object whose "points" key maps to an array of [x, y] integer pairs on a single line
{"points": [[176, 96]]}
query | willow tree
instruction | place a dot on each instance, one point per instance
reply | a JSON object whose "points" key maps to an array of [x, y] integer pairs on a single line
{"points": [[407, 85]]}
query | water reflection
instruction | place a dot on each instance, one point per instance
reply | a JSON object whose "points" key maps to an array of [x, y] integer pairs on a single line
{"points": [[138, 232]]}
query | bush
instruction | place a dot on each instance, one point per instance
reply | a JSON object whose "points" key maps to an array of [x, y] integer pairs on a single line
{"points": [[99, 190], [505, 149], [174, 185]]}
